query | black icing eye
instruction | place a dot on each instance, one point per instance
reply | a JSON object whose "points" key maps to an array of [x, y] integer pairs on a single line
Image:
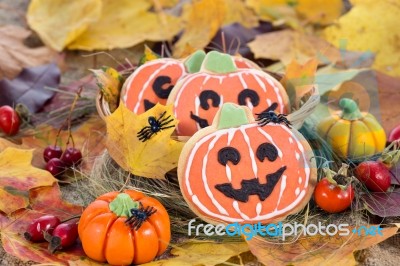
{"points": [[159, 84], [267, 150], [209, 95], [248, 93], [228, 154]]}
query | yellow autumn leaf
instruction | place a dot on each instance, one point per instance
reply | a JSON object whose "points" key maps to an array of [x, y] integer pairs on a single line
{"points": [[370, 26], [288, 45], [202, 20], [59, 22], [125, 23], [165, 3], [151, 158], [148, 55], [237, 11], [17, 177], [202, 253], [110, 83]]}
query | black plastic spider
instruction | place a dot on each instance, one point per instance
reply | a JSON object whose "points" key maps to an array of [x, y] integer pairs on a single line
{"points": [[155, 125], [269, 115], [139, 216]]}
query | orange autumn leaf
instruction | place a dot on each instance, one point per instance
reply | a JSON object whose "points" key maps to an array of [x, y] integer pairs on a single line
{"points": [[17, 177], [44, 200], [89, 137], [151, 158], [299, 79], [316, 250]]}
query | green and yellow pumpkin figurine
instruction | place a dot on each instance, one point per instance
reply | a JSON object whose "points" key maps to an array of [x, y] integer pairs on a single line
{"points": [[351, 133]]}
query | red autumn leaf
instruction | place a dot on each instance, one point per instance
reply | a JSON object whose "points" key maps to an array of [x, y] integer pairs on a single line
{"points": [[28, 87], [383, 204], [17, 177], [46, 200], [89, 137]]}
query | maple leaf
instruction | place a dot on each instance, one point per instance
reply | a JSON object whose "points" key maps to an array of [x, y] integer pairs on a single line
{"points": [[43, 200], [316, 250], [202, 253], [293, 45], [376, 31], [58, 22], [299, 80], [151, 158], [15, 55], [110, 83], [125, 23], [28, 87], [17, 177]]}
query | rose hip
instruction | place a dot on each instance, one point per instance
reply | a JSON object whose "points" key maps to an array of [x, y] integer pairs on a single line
{"points": [[45, 223], [64, 235]]}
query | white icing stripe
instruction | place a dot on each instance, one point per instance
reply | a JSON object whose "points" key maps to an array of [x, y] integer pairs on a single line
{"points": [[282, 189], [297, 191], [196, 111], [251, 152], [228, 172], [290, 140], [278, 95], [297, 155], [244, 84], [258, 208], [269, 102], [221, 101], [155, 73], [269, 138], [237, 209], [204, 209], [260, 83], [204, 176], [231, 134], [300, 179]]}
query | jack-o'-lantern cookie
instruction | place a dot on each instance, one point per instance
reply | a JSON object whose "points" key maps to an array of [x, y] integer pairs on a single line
{"points": [[152, 82], [238, 170], [197, 97]]}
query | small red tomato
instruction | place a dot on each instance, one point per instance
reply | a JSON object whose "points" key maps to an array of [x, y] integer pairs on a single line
{"points": [[374, 174], [9, 120], [394, 134], [332, 197]]}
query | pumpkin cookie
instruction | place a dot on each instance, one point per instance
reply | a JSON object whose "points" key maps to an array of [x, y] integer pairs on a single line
{"points": [[238, 170], [197, 97]]}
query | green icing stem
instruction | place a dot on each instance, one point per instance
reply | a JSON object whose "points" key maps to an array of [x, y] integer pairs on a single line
{"points": [[194, 61], [123, 204], [220, 63], [350, 109], [232, 116]]}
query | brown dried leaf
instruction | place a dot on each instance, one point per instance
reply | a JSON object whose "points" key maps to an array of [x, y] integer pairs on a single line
{"points": [[15, 55]]}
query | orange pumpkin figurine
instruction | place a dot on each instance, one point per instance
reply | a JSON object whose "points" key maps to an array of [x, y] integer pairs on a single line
{"points": [[238, 170], [124, 228], [197, 97]]}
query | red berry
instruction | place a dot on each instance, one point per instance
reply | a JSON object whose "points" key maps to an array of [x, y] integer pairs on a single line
{"points": [[72, 156], [56, 167], [64, 235], [394, 134], [375, 175], [35, 229], [52, 152], [9, 120]]}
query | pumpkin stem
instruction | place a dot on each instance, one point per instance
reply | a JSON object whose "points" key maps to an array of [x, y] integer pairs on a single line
{"points": [[194, 61], [219, 63], [350, 109], [123, 204]]}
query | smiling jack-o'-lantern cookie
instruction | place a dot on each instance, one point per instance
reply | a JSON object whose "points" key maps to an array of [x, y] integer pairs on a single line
{"points": [[237, 170], [198, 97]]}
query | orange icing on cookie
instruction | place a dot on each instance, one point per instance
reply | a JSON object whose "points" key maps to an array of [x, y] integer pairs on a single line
{"points": [[151, 83], [208, 173]]}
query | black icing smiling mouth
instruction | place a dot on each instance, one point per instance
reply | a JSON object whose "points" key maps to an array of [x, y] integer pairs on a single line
{"points": [[252, 187]]}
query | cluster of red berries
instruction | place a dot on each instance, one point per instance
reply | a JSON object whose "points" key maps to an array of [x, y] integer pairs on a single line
{"points": [[9, 120], [50, 228], [59, 161]]}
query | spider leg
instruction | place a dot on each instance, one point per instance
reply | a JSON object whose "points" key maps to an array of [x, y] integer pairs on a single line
{"points": [[165, 119], [146, 136], [161, 116], [166, 122], [143, 129]]}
